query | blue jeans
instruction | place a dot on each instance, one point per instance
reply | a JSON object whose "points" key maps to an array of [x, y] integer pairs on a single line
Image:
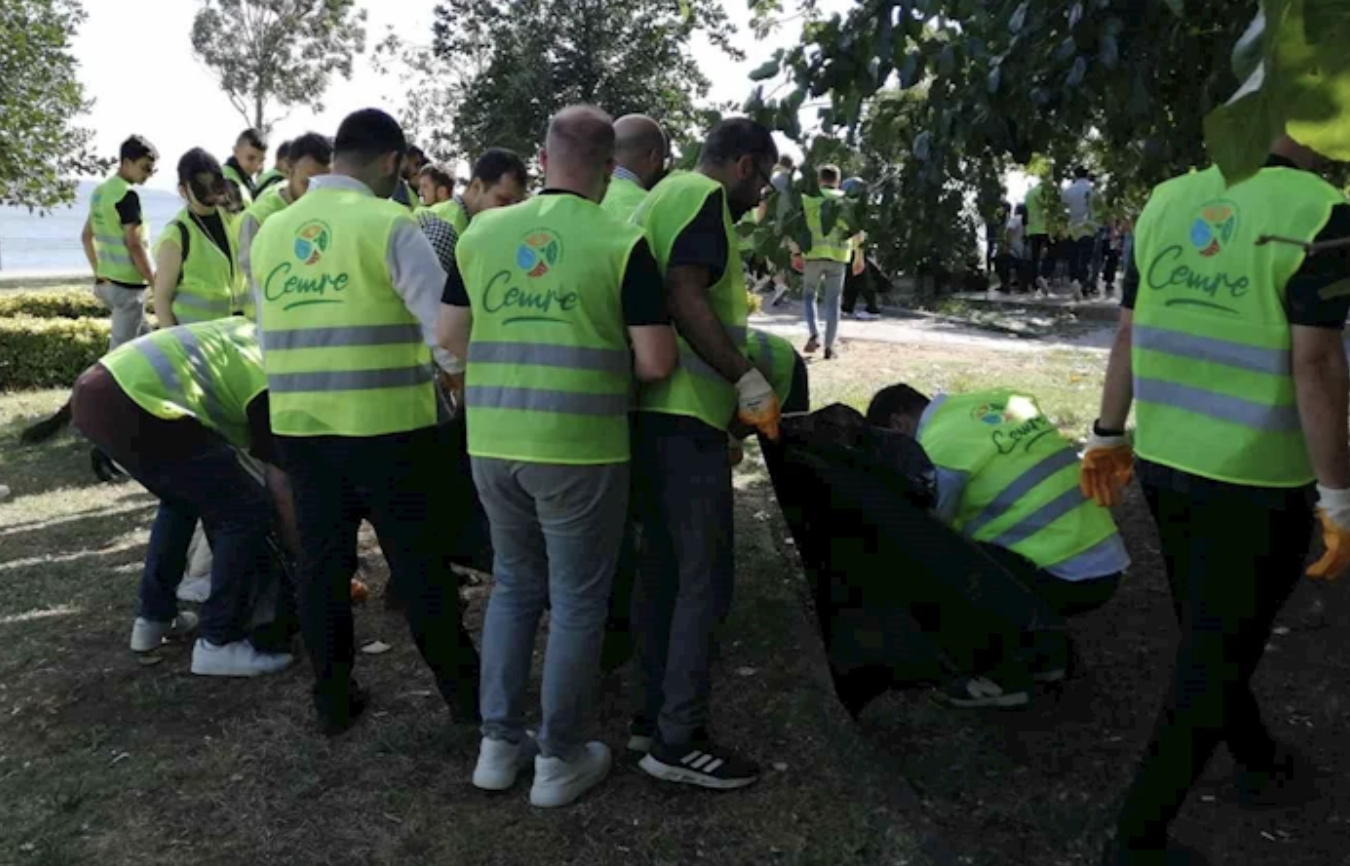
{"points": [[686, 567], [556, 532], [832, 274]]}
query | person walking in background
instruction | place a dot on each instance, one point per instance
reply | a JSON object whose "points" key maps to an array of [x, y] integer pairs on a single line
{"points": [[115, 238], [1241, 406], [681, 453], [197, 276], [279, 171], [1017, 260], [250, 151], [311, 156], [781, 185], [547, 401], [826, 261], [1038, 235], [858, 280], [1111, 252], [498, 179], [434, 186], [354, 409], [641, 159], [1080, 202]]}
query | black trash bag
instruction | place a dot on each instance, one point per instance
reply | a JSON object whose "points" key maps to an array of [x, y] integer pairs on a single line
{"points": [[901, 599]]}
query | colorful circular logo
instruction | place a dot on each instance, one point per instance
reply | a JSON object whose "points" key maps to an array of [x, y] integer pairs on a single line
{"points": [[312, 241], [992, 414], [538, 252], [1214, 228]]}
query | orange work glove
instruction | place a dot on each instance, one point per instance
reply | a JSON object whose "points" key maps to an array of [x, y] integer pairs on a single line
{"points": [[757, 404], [1108, 465], [1333, 510]]}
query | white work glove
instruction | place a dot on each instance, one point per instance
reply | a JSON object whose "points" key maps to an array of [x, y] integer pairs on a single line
{"points": [[1333, 511], [758, 405]]}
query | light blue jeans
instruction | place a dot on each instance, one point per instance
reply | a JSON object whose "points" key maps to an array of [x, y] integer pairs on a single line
{"points": [[832, 274], [556, 532]]}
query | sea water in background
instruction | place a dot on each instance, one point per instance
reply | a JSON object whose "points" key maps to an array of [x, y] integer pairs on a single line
{"points": [[50, 244]]}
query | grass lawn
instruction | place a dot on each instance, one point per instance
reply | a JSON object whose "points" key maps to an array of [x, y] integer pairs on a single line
{"points": [[106, 760]]}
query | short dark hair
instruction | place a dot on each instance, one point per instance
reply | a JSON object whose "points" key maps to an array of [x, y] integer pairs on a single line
{"points": [[734, 138], [786, 161], [895, 400], [1082, 172], [369, 134], [253, 138], [1021, 210], [197, 161], [438, 175], [137, 147], [314, 145], [283, 151], [417, 153], [497, 162], [828, 174]]}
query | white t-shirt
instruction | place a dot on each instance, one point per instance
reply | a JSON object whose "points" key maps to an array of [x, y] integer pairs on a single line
{"points": [[1078, 199]]}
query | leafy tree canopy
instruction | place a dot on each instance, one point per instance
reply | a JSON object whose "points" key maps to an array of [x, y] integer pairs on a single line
{"points": [[41, 150], [270, 54]]}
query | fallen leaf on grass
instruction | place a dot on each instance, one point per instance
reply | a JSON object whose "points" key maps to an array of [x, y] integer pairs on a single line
{"points": [[375, 648], [746, 672]]}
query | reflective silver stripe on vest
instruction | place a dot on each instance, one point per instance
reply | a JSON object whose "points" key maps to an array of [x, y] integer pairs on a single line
{"points": [[1021, 486], [111, 240], [1222, 407], [616, 361], [206, 305], [331, 338], [1041, 518], [174, 387], [1275, 362], [348, 380], [113, 258], [541, 400], [693, 362], [764, 351]]}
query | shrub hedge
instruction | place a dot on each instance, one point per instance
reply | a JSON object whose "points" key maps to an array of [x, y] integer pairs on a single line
{"points": [[48, 353], [77, 303]]}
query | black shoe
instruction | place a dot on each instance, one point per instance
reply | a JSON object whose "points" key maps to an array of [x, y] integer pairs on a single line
{"points": [[1289, 783], [335, 717], [104, 468], [641, 733], [1052, 658], [699, 762], [1175, 854], [830, 354]]}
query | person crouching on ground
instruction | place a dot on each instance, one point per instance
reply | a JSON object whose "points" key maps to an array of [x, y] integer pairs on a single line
{"points": [[1008, 480]]}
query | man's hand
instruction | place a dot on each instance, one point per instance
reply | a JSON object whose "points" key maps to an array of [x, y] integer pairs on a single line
{"points": [[453, 385], [1108, 465], [859, 265], [1333, 510], [758, 405]]}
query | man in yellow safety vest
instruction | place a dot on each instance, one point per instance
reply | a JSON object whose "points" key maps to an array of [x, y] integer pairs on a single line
{"points": [[114, 240]]}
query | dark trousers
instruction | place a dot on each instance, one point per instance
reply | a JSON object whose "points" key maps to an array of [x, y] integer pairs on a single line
{"points": [[1042, 262], [1080, 259], [393, 482], [197, 476], [1233, 555], [1064, 597], [854, 286], [1110, 263], [686, 566]]}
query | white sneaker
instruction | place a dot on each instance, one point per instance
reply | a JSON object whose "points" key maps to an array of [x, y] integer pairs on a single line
{"points": [[499, 761], [194, 589], [238, 659], [147, 635], [865, 316], [558, 782], [1076, 290]]}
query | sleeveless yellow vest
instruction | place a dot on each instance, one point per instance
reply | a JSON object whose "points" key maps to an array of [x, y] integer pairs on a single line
{"points": [[549, 375], [343, 354], [622, 198], [210, 285], [110, 245], [831, 247], [1021, 489], [695, 389], [454, 213], [209, 371]]}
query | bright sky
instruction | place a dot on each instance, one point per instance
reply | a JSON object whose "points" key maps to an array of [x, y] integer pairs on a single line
{"points": [[139, 69]]}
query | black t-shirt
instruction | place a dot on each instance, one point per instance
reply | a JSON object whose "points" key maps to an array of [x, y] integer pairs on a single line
{"points": [[1304, 304], [215, 228], [703, 243], [643, 293], [129, 209]]}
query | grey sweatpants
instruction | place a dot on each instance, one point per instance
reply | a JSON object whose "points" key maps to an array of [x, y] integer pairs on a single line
{"points": [[832, 274], [556, 532], [128, 312]]}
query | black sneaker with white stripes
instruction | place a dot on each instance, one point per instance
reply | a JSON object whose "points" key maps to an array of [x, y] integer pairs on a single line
{"points": [[700, 763]]}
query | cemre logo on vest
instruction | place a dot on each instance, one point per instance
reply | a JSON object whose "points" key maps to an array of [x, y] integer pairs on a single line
{"points": [[1214, 228], [992, 414], [312, 242], [539, 252], [1031, 427]]}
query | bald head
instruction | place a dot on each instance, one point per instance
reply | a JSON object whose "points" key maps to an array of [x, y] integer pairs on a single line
{"points": [[579, 151], [641, 146]]}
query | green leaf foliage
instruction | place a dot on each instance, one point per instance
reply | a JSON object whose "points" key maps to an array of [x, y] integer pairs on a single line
{"points": [[41, 149]]}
